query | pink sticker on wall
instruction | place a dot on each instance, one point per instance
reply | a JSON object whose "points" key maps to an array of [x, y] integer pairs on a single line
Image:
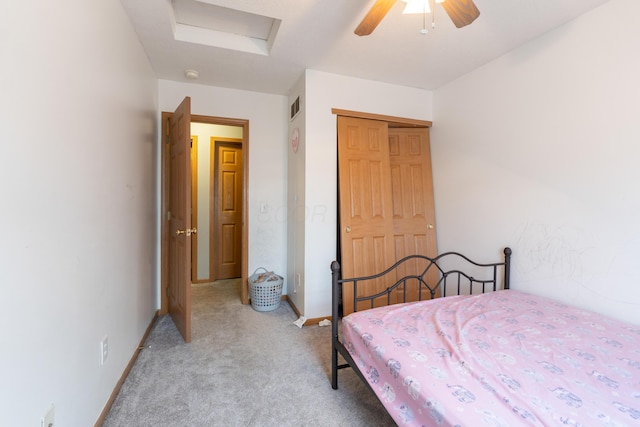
{"points": [[295, 139]]}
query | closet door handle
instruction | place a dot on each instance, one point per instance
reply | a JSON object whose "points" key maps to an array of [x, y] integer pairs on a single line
{"points": [[347, 229]]}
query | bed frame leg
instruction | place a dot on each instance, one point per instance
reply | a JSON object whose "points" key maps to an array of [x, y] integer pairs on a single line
{"points": [[335, 290], [334, 368]]}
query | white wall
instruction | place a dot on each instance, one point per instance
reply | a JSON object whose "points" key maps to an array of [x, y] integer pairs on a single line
{"points": [[204, 132], [78, 187], [267, 115], [539, 150], [297, 211], [325, 91]]}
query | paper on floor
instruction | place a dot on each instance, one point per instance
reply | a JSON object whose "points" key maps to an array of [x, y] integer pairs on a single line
{"points": [[300, 321]]}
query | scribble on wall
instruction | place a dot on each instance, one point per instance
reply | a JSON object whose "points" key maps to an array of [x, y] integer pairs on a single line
{"points": [[547, 250]]}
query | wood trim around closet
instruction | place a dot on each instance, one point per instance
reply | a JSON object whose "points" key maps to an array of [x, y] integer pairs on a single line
{"points": [[393, 121]]}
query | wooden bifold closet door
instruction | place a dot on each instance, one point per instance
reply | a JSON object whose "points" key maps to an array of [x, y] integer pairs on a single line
{"points": [[386, 199]]}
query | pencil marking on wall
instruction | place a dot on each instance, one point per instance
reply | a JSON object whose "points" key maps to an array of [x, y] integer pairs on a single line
{"points": [[553, 250]]}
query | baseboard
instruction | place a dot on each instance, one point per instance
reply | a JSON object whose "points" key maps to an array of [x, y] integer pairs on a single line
{"points": [[307, 322], [118, 386], [293, 306], [316, 320]]}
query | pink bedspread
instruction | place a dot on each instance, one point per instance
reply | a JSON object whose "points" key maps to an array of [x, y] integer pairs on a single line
{"points": [[504, 358]]}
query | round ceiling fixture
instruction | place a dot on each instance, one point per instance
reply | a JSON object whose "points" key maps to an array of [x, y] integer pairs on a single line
{"points": [[191, 74]]}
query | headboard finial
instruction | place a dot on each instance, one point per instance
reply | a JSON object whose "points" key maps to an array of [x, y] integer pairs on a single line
{"points": [[335, 266], [507, 267]]}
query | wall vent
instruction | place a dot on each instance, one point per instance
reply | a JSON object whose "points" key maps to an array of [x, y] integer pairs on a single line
{"points": [[295, 108]]}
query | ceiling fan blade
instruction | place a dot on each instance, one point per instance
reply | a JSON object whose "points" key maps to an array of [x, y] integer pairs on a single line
{"points": [[461, 12], [374, 16]]}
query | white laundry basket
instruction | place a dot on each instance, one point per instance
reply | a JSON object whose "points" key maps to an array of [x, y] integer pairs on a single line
{"points": [[265, 290]]}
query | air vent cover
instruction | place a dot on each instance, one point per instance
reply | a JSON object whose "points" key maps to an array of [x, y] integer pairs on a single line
{"points": [[295, 108]]}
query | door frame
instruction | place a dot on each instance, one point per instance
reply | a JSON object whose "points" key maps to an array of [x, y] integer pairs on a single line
{"points": [[392, 121], [164, 229], [194, 207]]}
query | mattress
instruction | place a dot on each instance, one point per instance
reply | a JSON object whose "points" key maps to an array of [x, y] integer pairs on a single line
{"points": [[504, 358]]}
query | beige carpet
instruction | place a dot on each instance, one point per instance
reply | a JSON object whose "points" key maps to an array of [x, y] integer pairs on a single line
{"points": [[242, 368]]}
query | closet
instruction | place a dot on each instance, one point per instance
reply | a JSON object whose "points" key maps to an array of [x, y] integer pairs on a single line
{"points": [[386, 208]]}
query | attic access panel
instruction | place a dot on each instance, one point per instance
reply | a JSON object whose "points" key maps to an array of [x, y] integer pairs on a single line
{"points": [[204, 23]]}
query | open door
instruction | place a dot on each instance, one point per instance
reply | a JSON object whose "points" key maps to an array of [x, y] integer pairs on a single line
{"points": [[179, 278]]}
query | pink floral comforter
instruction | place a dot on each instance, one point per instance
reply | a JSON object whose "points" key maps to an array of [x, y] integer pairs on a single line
{"points": [[504, 358]]}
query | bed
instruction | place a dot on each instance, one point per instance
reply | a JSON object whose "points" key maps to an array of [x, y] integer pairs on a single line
{"points": [[483, 354]]}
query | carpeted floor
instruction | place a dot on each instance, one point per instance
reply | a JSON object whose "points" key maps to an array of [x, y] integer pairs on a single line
{"points": [[242, 368]]}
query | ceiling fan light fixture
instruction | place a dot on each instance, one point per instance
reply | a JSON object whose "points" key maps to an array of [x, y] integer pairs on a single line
{"points": [[416, 7], [461, 12]]}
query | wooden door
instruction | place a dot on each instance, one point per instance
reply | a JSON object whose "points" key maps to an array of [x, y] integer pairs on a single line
{"points": [[227, 197], [179, 286], [412, 194], [366, 215]]}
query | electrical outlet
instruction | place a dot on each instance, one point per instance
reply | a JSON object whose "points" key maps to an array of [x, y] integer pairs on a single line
{"points": [[48, 419], [104, 349]]}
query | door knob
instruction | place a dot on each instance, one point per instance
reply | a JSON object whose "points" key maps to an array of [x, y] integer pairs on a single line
{"points": [[187, 232], [347, 229]]}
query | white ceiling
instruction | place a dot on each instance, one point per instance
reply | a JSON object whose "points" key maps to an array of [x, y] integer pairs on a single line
{"points": [[318, 34]]}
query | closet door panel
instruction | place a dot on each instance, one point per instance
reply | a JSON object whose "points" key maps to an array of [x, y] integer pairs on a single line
{"points": [[366, 217], [412, 191]]}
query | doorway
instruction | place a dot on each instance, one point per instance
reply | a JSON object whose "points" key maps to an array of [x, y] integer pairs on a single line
{"points": [[166, 180], [217, 202]]}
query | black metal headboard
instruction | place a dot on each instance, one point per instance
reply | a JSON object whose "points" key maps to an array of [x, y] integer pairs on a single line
{"points": [[482, 275], [488, 274]]}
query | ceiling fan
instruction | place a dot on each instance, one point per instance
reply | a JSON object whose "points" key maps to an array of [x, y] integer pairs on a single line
{"points": [[461, 12]]}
